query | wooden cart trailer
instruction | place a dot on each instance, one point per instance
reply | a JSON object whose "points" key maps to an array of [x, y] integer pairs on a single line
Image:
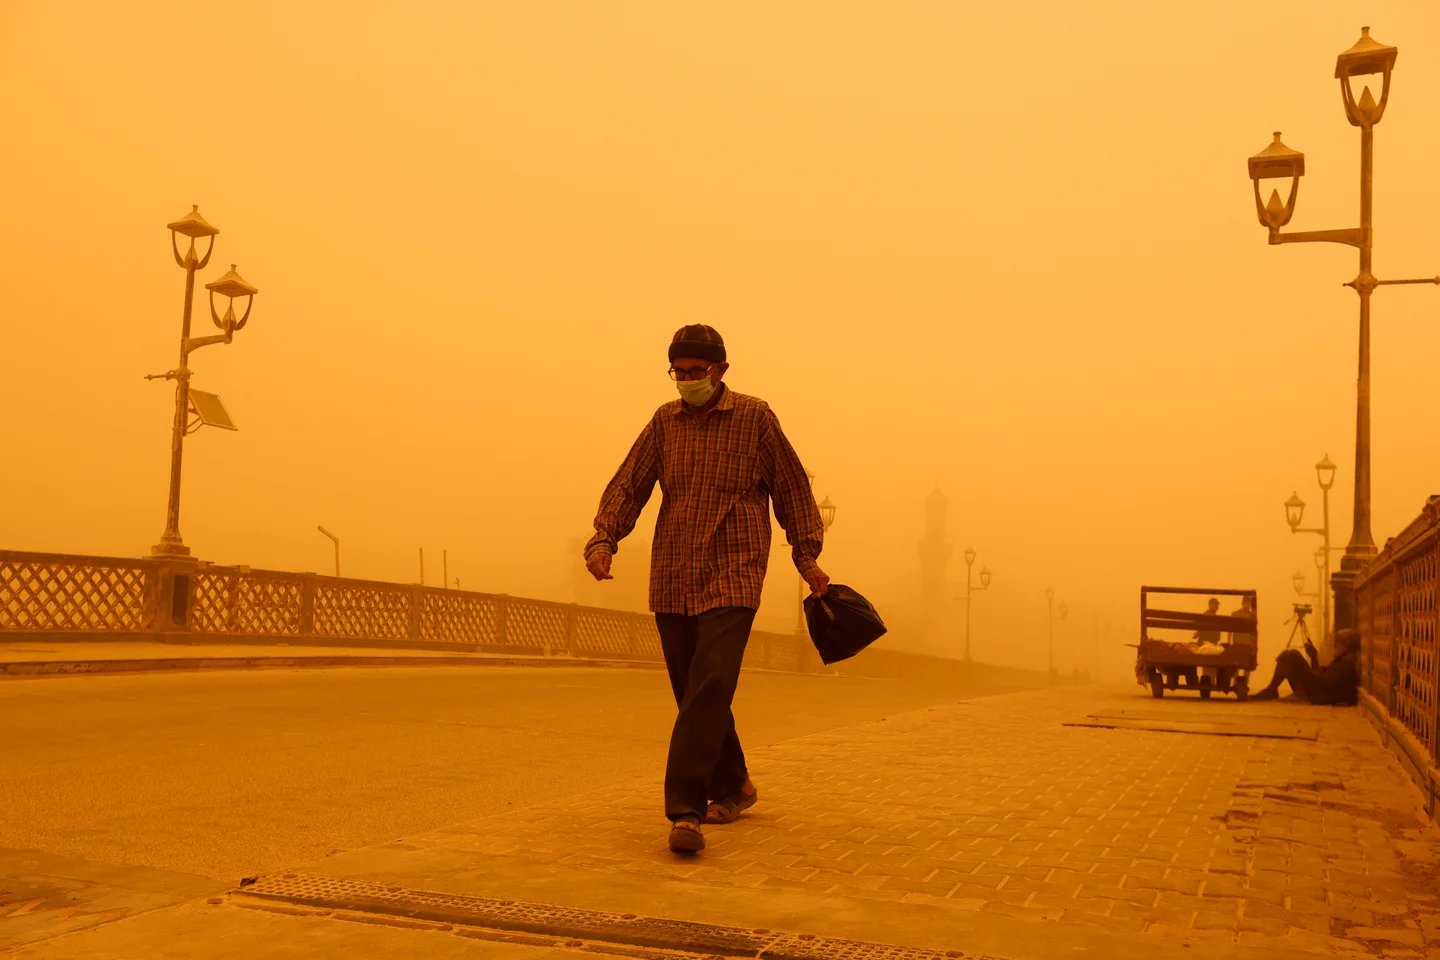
{"points": [[1175, 664]]}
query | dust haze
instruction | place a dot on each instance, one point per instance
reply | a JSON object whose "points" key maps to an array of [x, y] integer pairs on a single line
{"points": [[996, 269]]}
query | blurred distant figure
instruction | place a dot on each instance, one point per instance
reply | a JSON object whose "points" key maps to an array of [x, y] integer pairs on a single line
{"points": [[719, 457], [1336, 683], [1212, 609], [1247, 610]]}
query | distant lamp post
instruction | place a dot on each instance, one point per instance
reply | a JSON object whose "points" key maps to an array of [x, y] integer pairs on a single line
{"points": [[336, 541], [1052, 617], [827, 517], [971, 588], [1278, 162], [208, 409], [1295, 513], [1299, 581]]}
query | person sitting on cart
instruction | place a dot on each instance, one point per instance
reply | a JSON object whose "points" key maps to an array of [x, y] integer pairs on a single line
{"points": [[1247, 610], [1210, 635], [1336, 683]]}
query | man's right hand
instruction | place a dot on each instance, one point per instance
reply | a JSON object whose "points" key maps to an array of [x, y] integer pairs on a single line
{"points": [[599, 565]]}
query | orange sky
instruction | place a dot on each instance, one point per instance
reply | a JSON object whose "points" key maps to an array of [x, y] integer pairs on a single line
{"points": [[1010, 250]]}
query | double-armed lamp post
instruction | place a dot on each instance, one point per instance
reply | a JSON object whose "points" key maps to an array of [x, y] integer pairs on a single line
{"points": [[969, 588], [231, 285], [1367, 58], [1299, 581], [1295, 512]]}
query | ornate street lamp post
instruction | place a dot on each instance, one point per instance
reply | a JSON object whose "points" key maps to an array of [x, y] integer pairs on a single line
{"points": [[1277, 161], [1064, 612], [970, 588], [1295, 512], [231, 285]]}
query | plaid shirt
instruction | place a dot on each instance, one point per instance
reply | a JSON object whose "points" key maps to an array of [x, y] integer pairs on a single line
{"points": [[718, 470]]}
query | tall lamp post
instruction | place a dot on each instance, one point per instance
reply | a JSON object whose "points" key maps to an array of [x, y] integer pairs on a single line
{"points": [[1277, 161], [970, 588], [1051, 618], [336, 541], [230, 285], [1295, 512]]}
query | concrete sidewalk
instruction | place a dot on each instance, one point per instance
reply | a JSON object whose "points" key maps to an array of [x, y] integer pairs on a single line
{"points": [[35, 658], [994, 827]]}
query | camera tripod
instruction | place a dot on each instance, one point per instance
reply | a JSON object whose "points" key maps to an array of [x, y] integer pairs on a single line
{"points": [[1299, 628]]}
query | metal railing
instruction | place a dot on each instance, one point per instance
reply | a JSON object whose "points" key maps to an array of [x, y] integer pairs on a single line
{"points": [[1399, 621], [165, 599]]}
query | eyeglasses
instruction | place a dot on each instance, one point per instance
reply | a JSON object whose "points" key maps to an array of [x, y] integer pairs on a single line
{"points": [[695, 373]]}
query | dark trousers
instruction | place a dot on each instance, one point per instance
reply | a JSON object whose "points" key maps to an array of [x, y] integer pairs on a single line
{"points": [[1291, 665], [702, 656]]}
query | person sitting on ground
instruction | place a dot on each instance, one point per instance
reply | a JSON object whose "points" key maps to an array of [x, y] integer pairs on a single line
{"points": [[1336, 683]]}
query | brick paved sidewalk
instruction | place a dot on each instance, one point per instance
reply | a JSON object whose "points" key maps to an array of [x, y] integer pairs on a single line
{"points": [[994, 809]]}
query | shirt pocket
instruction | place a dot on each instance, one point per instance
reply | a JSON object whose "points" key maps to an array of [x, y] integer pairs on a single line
{"points": [[736, 471]]}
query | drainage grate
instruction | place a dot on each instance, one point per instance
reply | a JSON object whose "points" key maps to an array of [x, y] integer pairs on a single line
{"points": [[594, 925]]}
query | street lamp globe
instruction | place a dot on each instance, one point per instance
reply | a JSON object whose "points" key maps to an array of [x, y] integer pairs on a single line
{"points": [[827, 512], [1366, 58], [1299, 580], [985, 578], [1294, 510], [1049, 593], [1325, 471], [969, 556], [231, 285], [1276, 162]]}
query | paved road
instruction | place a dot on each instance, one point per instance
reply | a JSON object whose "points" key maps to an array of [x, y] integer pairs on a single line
{"points": [[225, 775]]}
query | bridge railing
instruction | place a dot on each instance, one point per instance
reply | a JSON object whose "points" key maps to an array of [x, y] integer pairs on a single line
{"points": [[1397, 604], [178, 601]]}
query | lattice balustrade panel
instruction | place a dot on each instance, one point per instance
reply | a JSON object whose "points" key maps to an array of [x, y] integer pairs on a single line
{"points": [[448, 616], [529, 623], [1415, 646], [1365, 620], [245, 604], [647, 639], [773, 651], [605, 633], [1383, 638], [367, 612], [75, 595]]}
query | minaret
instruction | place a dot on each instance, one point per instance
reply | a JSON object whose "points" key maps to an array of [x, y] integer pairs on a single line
{"points": [[935, 551]]}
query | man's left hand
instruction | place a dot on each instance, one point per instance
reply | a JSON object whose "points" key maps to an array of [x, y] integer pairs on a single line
{"points": [[819, 582]]}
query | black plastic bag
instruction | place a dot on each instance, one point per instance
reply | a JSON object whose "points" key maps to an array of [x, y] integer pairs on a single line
{"points": [[841, 623]]}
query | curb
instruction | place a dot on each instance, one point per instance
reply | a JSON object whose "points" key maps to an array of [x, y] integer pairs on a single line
{"points": [[61, 668]]}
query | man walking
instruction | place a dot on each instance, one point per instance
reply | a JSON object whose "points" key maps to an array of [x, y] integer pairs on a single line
{"points": [[721, 459]]}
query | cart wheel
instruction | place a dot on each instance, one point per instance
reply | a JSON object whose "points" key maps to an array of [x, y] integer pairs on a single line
{"points": [[1242, 689], [1157, 686]]}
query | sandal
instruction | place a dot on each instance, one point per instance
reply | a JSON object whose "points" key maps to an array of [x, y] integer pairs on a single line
{"points": [[725, 811], [685, 837]]}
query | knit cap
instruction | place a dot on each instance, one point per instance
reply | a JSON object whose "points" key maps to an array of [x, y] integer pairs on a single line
{"points": [[699, 341]]}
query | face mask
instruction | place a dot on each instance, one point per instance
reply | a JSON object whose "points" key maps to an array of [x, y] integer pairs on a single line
{"points": [[696, 392]]}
